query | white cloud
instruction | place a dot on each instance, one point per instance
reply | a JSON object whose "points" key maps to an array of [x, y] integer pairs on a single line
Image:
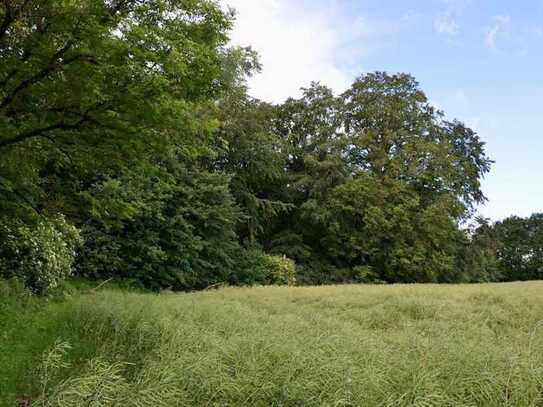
{"points": [[499, 26], [300, 44], [445, 23], [295, 46]]}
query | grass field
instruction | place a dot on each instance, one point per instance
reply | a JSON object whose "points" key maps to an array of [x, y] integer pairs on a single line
{"points": [[400, 345]]}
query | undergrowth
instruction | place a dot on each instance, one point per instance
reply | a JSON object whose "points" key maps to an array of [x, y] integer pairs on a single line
{"points": [[404, 345]]}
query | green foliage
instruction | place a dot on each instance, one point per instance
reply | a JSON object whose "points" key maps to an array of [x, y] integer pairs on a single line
{"points": [[378, 179], [520, 247], [88, 84], [42, 253], [113, 107], [254, 266], [393, 132], [132, 119], [366, 274], [282, 270], [508, 250], [254, 157], [174, 229], [477, 261], [384, 226]]}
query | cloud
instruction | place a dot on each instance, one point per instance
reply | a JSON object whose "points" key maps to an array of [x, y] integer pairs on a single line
{"points": [[499, 26], [444, 23], [295, 47], [300, 42]]}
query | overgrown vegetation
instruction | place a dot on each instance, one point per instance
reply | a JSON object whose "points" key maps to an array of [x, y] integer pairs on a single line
{"points": [[397, 345], [41, 254], [130, 149]]}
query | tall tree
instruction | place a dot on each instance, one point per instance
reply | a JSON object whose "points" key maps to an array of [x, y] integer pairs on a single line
{"points": [[91, 83], [379, 179], [393, 132], [112, 104], [254, 158]]}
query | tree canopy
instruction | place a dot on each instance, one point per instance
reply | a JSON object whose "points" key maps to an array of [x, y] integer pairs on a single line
{"points": [[379, 179], [93, 84], [126, 129]]}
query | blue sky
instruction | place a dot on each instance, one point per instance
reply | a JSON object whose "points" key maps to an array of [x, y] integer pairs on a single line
{"points": [[479, 61]]}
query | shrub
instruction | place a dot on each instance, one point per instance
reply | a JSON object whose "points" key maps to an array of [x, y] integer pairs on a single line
{"points": [[366, 274], [40, 253], [257, 267], [251, 266], [169, 228], [282, 270], [319, 271]]}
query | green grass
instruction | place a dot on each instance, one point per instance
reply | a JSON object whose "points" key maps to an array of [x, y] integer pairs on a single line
{"points": [[400, 345]]}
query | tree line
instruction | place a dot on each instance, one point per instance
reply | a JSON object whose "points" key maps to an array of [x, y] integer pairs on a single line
{"points": [[130, 148]]}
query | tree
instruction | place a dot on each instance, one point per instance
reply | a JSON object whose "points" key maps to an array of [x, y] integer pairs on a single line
{"points": [[477, 261], [254, 158], [169, 226], [88, 84], [385, 227], [309, 128], [520, 247], [380, 181], [132, 119], [393, 132], [112, 104]]}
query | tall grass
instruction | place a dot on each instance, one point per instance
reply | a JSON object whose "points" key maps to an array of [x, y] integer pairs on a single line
{"points": [[402, 345]]}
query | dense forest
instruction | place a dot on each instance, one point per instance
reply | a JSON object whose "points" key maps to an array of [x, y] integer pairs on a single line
{"points": [[131, 149]]}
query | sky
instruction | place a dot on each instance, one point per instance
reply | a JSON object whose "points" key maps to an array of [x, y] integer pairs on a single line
{"points": [[480, 61]]}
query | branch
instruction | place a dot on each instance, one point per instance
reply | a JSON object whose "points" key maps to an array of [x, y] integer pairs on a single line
{"points": [[41, 132], [38, 76], [42, 74], [54, 142], [61, 125], [93, 290], [27, 53]]}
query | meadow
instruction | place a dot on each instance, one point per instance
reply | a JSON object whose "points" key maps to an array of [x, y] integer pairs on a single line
{"points": [[353, 345]]}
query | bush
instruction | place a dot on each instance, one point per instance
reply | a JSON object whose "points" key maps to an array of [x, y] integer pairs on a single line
{"points": [[366, 275], [169, 228], [257, 267], [319, 271], [282, 270], [40, 253]]}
